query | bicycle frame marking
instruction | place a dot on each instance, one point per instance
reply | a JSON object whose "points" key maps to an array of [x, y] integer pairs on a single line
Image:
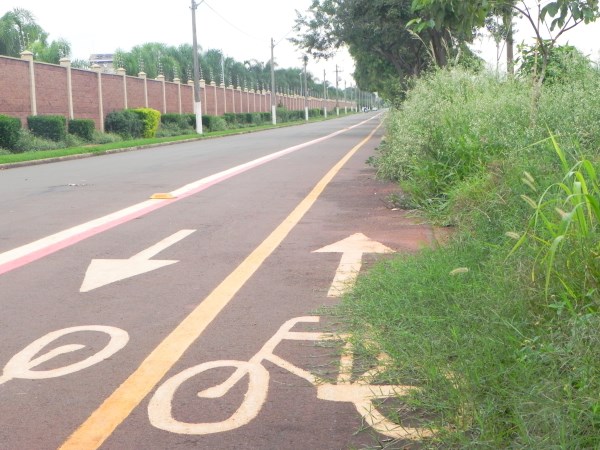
{"points": [[360, 392]]}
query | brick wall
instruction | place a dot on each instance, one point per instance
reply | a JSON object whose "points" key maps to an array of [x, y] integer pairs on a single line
{"points": [[85, 95], [113, 95], [15, 99], [52, 94], [51, 89]]}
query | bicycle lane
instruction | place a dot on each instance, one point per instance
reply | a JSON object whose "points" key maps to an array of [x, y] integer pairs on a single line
{"points": [[44, 396], [294, 281]]}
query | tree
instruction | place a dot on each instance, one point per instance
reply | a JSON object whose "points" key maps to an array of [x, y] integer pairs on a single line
{"points": [[19, 31], [51, 53], [373, 30], [564, 15], [503, 30], [448, 23]]}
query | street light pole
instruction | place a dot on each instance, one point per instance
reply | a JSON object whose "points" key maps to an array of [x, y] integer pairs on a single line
{"points": [[273, 100], [197, 102], [337, 92]]}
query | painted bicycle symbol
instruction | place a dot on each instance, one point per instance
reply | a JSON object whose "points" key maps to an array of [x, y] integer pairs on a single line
{"points": [[364, 395]]}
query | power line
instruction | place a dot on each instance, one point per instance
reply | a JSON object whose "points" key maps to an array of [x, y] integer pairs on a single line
{"points": [[229, 23]]}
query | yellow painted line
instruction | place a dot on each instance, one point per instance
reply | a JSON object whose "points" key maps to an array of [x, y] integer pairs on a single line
{"points": [[116, 408]]}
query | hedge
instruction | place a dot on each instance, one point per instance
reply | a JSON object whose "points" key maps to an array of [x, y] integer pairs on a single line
{"points": [[214, 123], [182, 121], [9, 132], [84, 128], [125, 123], [48, 127]]}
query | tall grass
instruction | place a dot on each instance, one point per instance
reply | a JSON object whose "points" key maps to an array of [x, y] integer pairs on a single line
{"points": [[501, 327]]}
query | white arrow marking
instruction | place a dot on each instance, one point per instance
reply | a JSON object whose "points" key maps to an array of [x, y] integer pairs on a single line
{"points": [[105, 271], [352, 249]]}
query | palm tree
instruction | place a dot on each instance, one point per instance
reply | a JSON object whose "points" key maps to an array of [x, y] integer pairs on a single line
{"points": [[19, 32]]}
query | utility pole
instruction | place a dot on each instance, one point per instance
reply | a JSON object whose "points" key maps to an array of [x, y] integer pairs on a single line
{"points": [[345, 103], [305, 89], [273, 100], [324, 93], [337, 92], [197, 102]]}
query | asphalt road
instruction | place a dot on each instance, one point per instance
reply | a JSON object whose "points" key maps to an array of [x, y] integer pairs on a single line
{"points": [[119, 311]]}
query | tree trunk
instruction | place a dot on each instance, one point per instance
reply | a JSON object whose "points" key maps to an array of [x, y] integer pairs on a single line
{"points": [[438, 47], [510, 57]]}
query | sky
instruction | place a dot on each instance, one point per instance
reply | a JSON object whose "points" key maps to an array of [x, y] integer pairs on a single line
{"points": [[242, 29]]}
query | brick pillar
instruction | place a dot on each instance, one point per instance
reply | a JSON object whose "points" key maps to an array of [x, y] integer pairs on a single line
{"points": [[214, 87], [161, 78], [222, 86], [142, 75], [203, 92], [96, 68], [28, 56], [232, 97], [121, 72], [66, 63], [178, 82], [191, 83]]}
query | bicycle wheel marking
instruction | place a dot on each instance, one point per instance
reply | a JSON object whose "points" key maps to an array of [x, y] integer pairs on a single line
{"points": [[160, 411], [22, 365], [117, 407], [361, 393]]}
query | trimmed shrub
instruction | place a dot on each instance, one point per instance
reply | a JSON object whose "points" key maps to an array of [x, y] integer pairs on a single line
{"points": [[214, 123], [150, 120], [125, 123], [181, 121], [84, 128], [231, 119], [48, 127], [9, 132]]}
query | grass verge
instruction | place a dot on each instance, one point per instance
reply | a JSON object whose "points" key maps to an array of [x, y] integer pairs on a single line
{"points": [[501, 327]]}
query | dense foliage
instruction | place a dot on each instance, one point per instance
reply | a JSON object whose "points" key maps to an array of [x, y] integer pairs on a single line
{"points": [[150, 121], [500, 328]]}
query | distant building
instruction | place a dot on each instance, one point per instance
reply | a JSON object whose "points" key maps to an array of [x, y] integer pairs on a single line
{"points": [[104, 60]]}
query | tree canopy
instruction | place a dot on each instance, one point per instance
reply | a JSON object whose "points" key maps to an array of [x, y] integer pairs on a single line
{"points": [[394, 40], [19, 31]]}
